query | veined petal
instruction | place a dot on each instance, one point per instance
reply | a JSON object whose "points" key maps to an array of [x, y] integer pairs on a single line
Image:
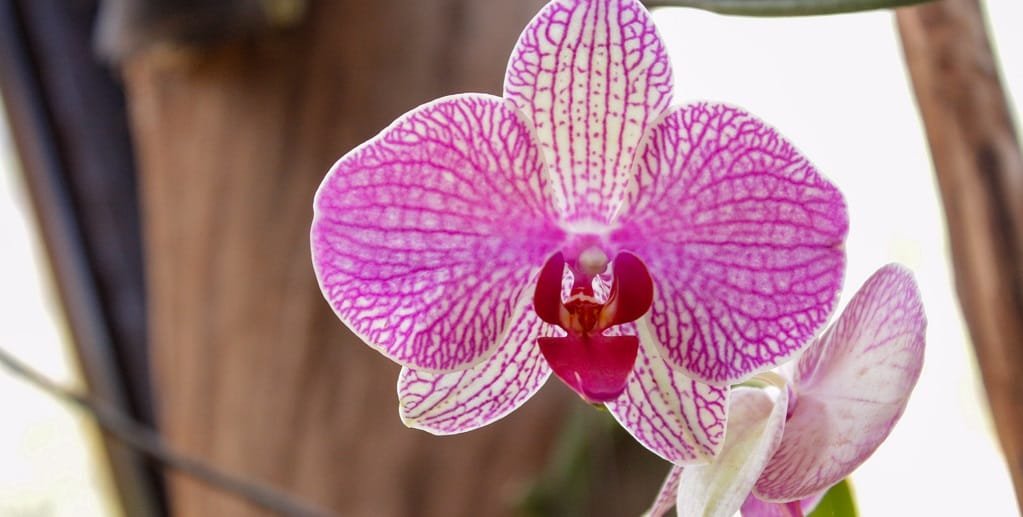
{"points": [[425, 238], [851, 387], [457, 402], [591, 75], [667, 495], [755, 425], [743, 238], [679, 419]]}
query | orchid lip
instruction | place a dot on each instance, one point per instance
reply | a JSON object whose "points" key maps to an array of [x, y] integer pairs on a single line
{"points": [[594, 365]]}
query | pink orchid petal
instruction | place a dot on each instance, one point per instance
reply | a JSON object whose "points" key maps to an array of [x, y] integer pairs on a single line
{"points": [[851, 387], [426, 238], [591, 75], [679, 419], [667, 495], [756, 507], [457, 402], [743, 239], [755, 426]]}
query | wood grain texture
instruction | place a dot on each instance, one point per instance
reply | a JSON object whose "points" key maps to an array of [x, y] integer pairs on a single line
{"points": [[977, 159], [125, 27], [254, 372]]}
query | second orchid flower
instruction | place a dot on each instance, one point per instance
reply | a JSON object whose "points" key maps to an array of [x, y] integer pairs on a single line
{"points": [[843, 399]]}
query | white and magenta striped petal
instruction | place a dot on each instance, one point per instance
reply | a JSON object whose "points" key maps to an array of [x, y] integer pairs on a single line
{"points": [[743, 238], [679, 419], [756, 421], [851, 388], [592, 76], [462, 401], [426, 237], [667, 495]]}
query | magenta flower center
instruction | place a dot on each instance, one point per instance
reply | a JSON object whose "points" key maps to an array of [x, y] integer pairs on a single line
{"points": [[595, 365]]}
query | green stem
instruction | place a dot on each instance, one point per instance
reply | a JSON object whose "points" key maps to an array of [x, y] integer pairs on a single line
{"points": [[838, 502], [783, 7]]}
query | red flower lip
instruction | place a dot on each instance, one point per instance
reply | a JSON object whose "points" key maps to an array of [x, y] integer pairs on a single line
{"points": [[595, 365]]}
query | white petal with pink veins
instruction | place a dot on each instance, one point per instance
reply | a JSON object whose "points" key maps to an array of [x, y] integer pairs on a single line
{"points": [[426, 237], [679, 419], [743, 238], [591, 75], [851, 387], [457, 402]]}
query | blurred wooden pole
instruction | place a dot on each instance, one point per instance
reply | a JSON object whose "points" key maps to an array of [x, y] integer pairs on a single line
{"points": [[254, 373], [70, 127], [977, 159]]}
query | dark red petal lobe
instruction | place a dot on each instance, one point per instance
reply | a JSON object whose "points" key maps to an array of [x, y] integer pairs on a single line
{"points": [[595, 366], [547, 297], [632, 291]]}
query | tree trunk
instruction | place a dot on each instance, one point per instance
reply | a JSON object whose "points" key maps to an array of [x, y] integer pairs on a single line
{"points": [[254, 372], [980, 173]]}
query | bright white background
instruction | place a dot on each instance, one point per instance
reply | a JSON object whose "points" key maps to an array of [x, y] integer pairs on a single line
{"points": [[48, 457], [838, 88]]}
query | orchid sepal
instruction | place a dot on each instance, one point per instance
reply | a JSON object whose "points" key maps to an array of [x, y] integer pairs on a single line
{"points": [[675, 417]]}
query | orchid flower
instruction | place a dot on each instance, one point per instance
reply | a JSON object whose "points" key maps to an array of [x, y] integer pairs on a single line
{"points": [[649, 256], [847, 391]]}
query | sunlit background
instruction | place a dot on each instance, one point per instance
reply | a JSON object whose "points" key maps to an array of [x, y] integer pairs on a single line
{"points": [[836, 86], [50, 460]]}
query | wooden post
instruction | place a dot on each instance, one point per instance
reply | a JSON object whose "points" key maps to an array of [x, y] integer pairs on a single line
{"points": [[254, 372], [977, 159]]}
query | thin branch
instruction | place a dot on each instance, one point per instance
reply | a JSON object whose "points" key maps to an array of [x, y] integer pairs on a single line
{"points": [[149, 442], [783, 7]]}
